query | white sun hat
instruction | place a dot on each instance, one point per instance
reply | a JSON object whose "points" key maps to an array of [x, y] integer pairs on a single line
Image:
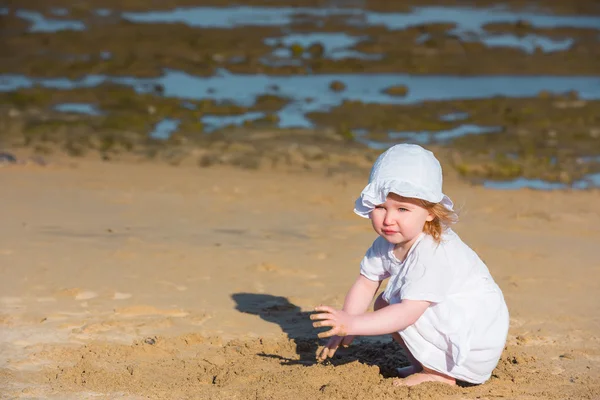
{"points": [[407, 170]]}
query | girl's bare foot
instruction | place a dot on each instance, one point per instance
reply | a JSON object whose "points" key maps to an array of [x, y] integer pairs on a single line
{"points": [[426, 376], [407, 371]]}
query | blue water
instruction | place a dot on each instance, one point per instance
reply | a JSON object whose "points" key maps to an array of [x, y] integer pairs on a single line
{"points": [[43, 24], [469, 23], [466, 19], [528, 43], [456, 116], [337, 45], [164, 129], [78, 108], [421, 137], [243, 89], [473, 19], [425, 137], [589, 159], [61, 12], [103, 12], [588, 182], [228, 17], [214, 122], [365, 87], [331, 40]]}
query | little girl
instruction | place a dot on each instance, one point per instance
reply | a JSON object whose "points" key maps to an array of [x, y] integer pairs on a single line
{"points": [[441, 304]]}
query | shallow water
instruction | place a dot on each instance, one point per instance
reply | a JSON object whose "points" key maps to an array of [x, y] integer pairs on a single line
{"points": [[61, 12], [425, 137], [164, 129], [39, 23], [78, 108], [368, 88], [457, 116], [214, 122], [528, 43], [336, 45], [469, 23], [422, 137], [589, 181], [311, 92], [466, 18]]}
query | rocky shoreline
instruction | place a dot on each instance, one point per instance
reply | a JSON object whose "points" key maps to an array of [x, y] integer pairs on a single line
{"points": [[550, 134]]}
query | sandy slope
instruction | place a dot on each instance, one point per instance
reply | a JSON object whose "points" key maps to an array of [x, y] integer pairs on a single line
{"points": [[132, 280]]}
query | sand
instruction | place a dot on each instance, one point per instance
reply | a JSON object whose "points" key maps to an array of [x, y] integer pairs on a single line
{"points": [[144, 280]]}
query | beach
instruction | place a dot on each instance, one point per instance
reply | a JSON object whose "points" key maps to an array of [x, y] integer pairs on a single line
{"points": [[137, 279], [178, 182]]}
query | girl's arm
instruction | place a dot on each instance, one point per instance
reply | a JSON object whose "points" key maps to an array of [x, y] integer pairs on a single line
{"points": [[393, 318], [360, 295], [357, 301]]}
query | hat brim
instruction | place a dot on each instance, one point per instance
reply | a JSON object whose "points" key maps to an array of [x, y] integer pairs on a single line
{"points": [[376, 193]]}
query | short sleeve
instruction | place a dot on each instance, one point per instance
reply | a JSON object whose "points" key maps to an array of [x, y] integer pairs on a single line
{"points": [[373, 265], [427, 280]]}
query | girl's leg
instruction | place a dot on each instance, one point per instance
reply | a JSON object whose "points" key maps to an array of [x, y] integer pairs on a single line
{"points": [[415, 366], [415, 373], [426, 375]]}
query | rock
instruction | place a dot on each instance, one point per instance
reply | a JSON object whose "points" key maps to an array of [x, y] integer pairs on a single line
{"points": [[7, 158], [565, 177], [208, 160], [240, 147], [246, 161], [572, 95], [296, 49], [398, 90], [337, 86], [149, 341], [312, 152], [159, 89], [316, 50], [523, 24]]}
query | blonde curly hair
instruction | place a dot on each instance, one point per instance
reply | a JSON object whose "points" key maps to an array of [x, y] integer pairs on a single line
{"points": [[443, 218]]}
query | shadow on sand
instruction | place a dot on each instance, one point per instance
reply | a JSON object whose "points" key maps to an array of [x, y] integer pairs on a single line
{"points": [[294, 322], [297, 325]]}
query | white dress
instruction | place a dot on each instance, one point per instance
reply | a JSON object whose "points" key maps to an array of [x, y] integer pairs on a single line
{"points": [[462, 334]]}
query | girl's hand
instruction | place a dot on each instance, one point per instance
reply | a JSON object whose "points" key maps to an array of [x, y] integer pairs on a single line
{"points": [[340, 321], [332, 345]]}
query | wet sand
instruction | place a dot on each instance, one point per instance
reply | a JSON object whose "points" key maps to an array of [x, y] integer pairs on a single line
{"points": [[144, 280]]}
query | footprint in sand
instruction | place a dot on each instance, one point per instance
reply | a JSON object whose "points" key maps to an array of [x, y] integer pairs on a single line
{"points": [[265, 267], [77, 294], [320, 255], [143, 310], [45, 299], [199, 319], [121, 296], [10, 301], [86, 295], [181, 288]]}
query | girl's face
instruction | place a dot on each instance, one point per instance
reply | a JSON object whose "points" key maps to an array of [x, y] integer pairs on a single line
{"points": [[400, 220]]}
